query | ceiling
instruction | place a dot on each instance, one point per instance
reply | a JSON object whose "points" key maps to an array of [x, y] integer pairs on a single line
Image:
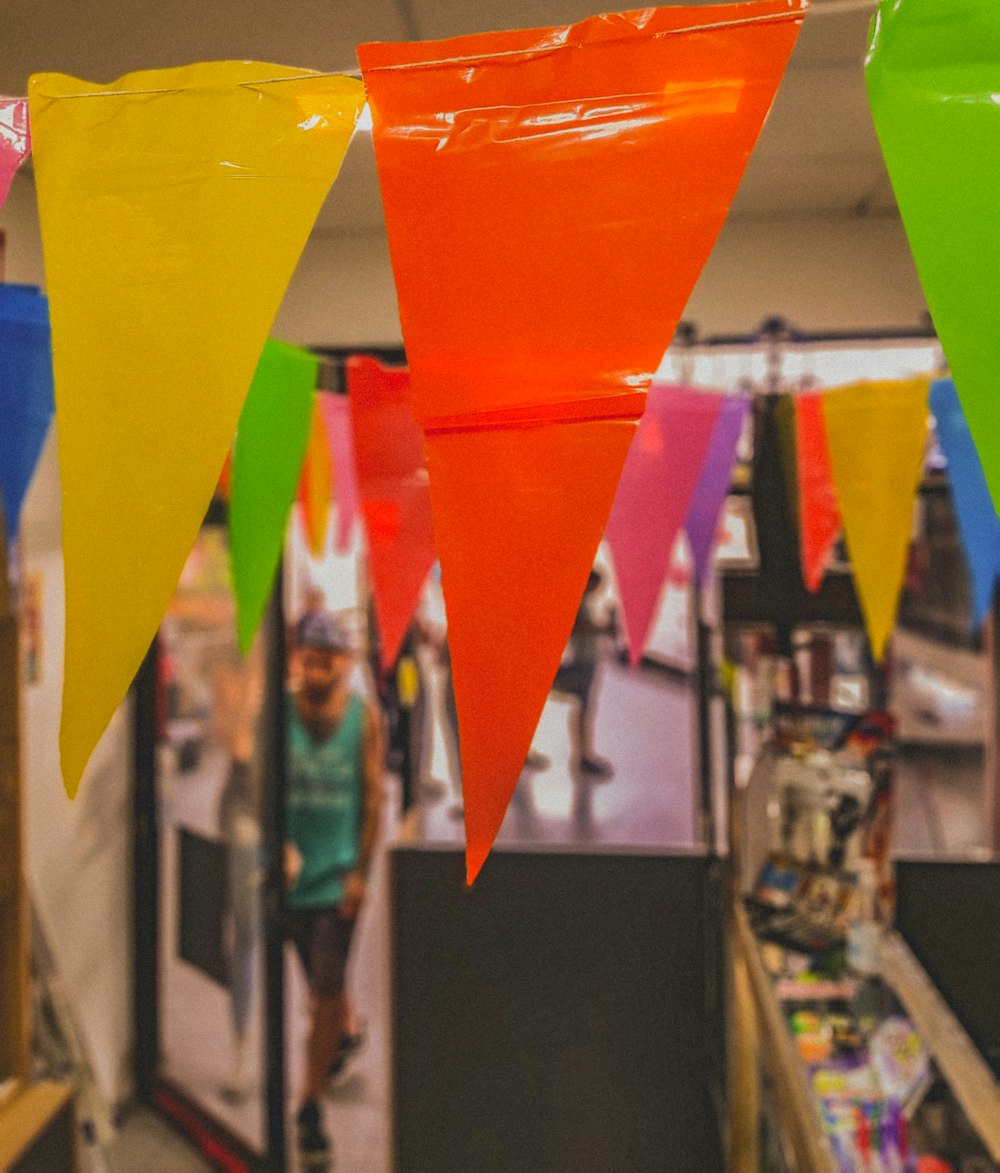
{"points": [[818, 154]]}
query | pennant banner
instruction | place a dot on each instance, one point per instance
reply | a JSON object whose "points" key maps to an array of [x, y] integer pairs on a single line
{"points": [[664, 464], [551, 196], [395, 501], [174, 205], [977, 519], [337, 418], [15, 140], [702, 522], [26, 400], [316, 483], [877, 435], [267, 459], [819, 517], [933, 76]]}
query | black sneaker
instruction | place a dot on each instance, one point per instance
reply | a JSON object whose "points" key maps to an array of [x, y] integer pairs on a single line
{"points": [[350, 1046], [315, 1151], [597, 769]]}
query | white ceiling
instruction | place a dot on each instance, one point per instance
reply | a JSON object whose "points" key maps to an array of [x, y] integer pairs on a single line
{"points": [[817, 155]]}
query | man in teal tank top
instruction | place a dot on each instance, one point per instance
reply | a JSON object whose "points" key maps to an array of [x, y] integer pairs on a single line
{"points": [[334, 750]]}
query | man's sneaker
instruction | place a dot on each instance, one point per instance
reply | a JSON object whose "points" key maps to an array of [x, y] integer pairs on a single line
{"points": [[315, 1151], [350, 1046], [597, 769]]}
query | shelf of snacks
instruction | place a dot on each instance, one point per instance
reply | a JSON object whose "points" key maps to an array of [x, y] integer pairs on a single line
{"points": [[871, 1071]]}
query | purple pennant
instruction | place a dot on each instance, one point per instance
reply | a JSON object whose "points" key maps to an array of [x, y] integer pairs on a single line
{"points": [[713, 484]]}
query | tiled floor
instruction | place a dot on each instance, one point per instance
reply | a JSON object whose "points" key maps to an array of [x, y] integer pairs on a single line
{"points": [[147, 1144]]}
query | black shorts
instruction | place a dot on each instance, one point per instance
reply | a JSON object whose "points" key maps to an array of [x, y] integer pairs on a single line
{"points": [[575, 680], [322, 939]]}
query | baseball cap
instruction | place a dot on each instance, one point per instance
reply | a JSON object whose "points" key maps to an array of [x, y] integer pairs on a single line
{"points": [[320, 629]]}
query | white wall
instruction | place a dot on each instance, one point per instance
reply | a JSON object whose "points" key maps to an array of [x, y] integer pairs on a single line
{"points": [[78, 853], [19, 218]]}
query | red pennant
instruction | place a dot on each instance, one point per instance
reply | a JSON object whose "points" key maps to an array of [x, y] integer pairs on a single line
{"points": [[551, 196], [395, 499], [659, 478], [819, 515]]}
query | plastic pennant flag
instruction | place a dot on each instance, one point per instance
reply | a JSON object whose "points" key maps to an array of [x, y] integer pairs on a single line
{"points": [[268, 452], [26, 398], [819, 516], [337, 418], [15, 141], [551, 196], [316, 484], [664, 464], [877, 435], [933, 76], [978, 523], [174, 205], [395, 499], [702, 521]]}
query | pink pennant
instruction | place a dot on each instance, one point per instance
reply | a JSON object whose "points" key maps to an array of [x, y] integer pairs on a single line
{"points": [[15, 140], [664, 463], [820, 516], [337, 418]]}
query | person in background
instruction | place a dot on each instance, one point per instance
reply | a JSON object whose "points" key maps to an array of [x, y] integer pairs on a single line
{"points": [[335, 752], [575, 678]]}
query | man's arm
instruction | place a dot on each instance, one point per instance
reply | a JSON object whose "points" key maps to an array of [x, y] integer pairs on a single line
{"points": [[373, 752]]}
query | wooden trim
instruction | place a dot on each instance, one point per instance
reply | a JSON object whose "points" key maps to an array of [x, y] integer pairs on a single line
{"points": [[799, 1110]]}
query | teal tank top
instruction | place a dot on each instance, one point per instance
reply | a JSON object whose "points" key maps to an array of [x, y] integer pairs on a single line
{"points": [[324, 804]]}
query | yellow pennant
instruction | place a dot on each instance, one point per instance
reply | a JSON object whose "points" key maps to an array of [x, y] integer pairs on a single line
{"points": [[316, 484], [877, 434], [174, 205]]}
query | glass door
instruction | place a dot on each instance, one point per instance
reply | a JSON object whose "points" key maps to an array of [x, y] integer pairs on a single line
{"points": [[207, 987]]}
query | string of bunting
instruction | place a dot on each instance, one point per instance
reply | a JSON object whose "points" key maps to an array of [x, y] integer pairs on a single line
{"points": [[550, 196]]}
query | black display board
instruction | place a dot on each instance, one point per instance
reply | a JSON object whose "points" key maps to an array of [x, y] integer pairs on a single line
{"points": [[949, 915], [554, 1017], [201, 904]]}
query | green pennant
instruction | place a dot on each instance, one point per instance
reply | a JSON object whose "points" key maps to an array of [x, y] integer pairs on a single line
{"points": [[267, 457], [933, 75]]}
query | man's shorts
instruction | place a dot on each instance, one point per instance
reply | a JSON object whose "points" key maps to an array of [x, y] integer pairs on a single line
{"points": [[575, 680], [322, 939]]}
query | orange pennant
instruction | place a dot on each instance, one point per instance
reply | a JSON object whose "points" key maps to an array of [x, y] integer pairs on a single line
{"points": [[509, 583], [551, 196], [316, 486], [395, 501]]}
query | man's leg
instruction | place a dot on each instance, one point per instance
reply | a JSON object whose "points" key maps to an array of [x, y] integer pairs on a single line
{"points": [[589, 763], [311, 934], [328, 1019]]}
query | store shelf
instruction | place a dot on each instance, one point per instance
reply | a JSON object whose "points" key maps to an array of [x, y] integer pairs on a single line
{"points": [[970, 1078], [798, 1105]]}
